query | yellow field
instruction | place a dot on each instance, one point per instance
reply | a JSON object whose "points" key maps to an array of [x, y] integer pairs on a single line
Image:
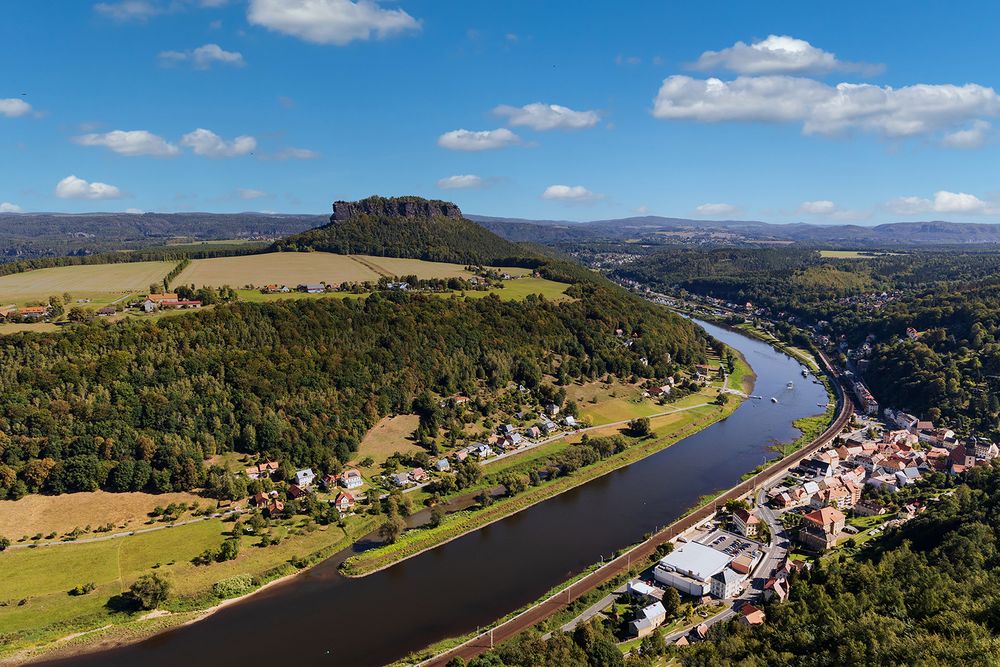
{"points": [[44, 514], [101, 283], [295, 268], [854, 254], [388, 436]]}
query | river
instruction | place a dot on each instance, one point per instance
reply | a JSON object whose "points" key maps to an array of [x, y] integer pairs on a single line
{"points": [[320, 616]]}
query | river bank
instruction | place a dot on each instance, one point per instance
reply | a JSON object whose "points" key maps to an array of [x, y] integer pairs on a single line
{"points": [[476, 578]]}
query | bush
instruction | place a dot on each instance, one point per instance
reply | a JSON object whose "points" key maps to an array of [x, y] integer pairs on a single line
{"points": [[83, 589], [149, 591], [233, 587]]}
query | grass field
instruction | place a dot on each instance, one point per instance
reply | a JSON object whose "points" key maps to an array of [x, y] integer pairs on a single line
{"points": [[101, 283], [43, 514], [43, 576], [388, 436], [295, 268]]}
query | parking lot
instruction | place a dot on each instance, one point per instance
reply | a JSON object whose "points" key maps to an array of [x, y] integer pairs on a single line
{"points": [[728, 543]]}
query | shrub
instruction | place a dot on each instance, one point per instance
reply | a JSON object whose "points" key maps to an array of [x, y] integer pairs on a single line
{"points": [[233, 587]]}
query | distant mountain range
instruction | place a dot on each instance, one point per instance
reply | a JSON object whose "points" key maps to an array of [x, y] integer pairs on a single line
{"points": [[664, 230]]}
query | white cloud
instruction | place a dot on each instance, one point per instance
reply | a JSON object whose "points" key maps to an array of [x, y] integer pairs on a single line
{"points": [[818, 207], [13, 107], [337, 22], [943, 202], [824, 109], [247, 193], [204, 56], [540, 116], [129, 10], [296, 154], [973, 136], [460, 181], [72, 187], [571, 193], [134, 211], [627, 60], [7, 207], [467, 140], [777, 54], [828, 209], [208, 143], [716, 209], [130, 143]]}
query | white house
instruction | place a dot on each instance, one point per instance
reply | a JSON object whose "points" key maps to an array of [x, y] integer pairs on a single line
{"points": [[304, 477], [351, 479], [727, 583]]}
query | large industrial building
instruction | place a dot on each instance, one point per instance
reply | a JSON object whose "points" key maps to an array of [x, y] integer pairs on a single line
{"points": [[690, 567]]}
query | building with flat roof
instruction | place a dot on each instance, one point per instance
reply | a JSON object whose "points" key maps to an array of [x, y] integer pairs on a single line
{"points": [[690, 567]]}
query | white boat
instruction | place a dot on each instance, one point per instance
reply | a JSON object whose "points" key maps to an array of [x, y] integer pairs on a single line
{"points": [[774, 400], [805, 372], [790, 385]]}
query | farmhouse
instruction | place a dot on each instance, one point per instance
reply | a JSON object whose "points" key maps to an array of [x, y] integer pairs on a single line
{"points": [[305, 477], [34, 312], [344, 501], [262, 470], [106, 311], [311, 288], [351, 479]]}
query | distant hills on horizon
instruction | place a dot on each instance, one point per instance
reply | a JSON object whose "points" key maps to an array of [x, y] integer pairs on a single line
{"points": [[665, 229]]}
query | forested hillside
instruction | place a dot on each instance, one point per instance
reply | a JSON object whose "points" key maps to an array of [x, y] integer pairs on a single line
{"points": [[140, 405], [408, 227], [951, 372]]}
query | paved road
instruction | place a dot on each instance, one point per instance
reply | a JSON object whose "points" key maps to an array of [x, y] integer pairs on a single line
{"points": [[553, 604]]}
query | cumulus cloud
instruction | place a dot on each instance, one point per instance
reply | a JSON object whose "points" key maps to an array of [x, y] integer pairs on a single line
{"points": [[468, 140], [204, 57], [13, 107], [72, 187], [208, 143], [130, 143], [248, 193], [7, 207], [828, 209], [540, 116], [460, 181], [824, 109], [943, 202], [973, 136], [818, 207], [716, 209], [777, 54], [337, 22], [571, 193]]}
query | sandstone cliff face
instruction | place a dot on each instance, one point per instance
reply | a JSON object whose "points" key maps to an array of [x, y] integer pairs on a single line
{"points": [[395, 207]]}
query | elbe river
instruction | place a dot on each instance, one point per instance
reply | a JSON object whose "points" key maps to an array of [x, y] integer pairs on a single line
{"points": [[322, 617]]}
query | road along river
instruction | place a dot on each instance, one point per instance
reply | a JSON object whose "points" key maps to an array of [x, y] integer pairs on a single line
{"points": [[320, 616]]}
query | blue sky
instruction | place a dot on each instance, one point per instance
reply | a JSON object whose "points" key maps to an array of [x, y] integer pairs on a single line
{"points": [[563, 110]]}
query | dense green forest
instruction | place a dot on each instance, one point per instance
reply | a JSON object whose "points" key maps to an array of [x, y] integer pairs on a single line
{"points": [[140, 405], [951, 296], [429, 230]]}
